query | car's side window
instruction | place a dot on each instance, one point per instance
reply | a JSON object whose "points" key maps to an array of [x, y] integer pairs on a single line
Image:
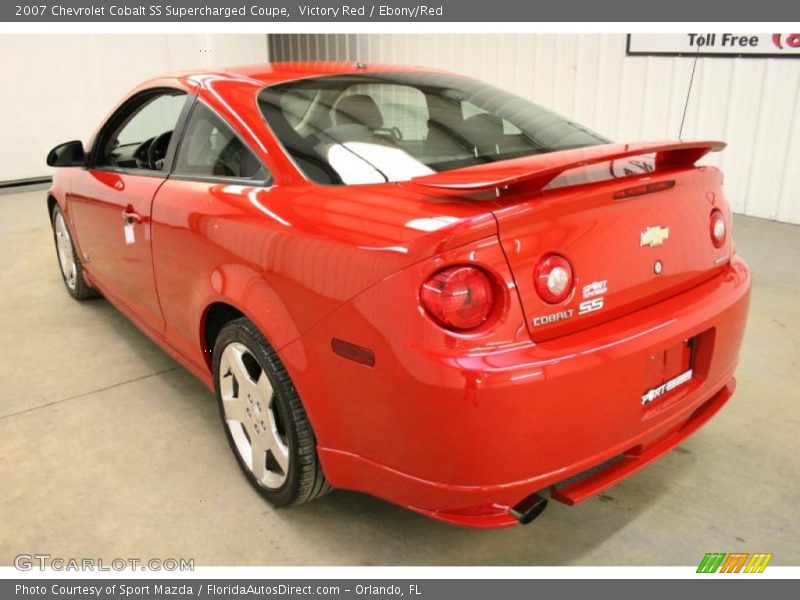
{"points": [[210, 149], [138, 137]]}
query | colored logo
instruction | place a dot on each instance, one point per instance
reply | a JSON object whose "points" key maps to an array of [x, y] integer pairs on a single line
{"points": [[596, 288], [736, 562], [654, 236]]}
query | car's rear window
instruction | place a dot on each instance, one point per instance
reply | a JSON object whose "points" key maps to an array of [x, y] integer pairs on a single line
{"points": [[376, 128]]}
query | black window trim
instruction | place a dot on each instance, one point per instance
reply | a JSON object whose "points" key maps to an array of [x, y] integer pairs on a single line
{"points": [[169, 157], [284, 151], [267, 182]]}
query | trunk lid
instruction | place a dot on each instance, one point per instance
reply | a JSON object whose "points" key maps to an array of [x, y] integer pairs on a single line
{"points": [[590, 206]]}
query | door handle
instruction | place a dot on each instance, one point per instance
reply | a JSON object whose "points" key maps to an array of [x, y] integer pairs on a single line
{"points": [[130, 217]]}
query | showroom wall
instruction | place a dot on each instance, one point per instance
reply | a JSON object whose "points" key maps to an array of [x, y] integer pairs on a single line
{"points": [[752, 103], [59, 87]]}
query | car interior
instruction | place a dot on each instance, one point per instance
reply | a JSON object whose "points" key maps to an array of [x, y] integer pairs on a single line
{"points": [[209, 148], [138, 136], [423, 126]]}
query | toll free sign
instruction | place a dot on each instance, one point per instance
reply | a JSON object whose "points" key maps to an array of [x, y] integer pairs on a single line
{"points": [[733, 45]]}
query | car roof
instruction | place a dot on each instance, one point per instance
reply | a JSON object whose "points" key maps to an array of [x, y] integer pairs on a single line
{"points": [[278, 72]]}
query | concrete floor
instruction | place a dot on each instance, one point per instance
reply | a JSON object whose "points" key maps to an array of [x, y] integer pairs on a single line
{"points": [[109, 449]]}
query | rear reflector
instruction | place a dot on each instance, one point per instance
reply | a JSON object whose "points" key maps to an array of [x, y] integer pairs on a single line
{"points": [[365, 356], [641, 190]]}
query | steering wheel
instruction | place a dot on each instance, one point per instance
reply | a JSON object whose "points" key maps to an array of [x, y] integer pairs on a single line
{"points": [[158, 150]]}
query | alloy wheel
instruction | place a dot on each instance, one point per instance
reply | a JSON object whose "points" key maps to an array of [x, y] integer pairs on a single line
{"points": [[66, 256], [251, 416]]}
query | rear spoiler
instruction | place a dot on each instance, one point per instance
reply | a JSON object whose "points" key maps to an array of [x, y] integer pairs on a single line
{"points": [[535, 172]]}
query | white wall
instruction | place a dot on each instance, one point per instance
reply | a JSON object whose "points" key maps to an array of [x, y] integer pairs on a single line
{"points": [[753, 104], [59, 87]]}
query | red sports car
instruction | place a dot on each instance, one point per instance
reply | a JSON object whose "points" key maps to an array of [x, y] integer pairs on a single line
{"points": [[409, 283]]}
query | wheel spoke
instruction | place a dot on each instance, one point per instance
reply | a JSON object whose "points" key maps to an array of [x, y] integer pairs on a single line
{"points": [[264, 389], [234, 409], [238, 368], [280, 452], [259, 460], [67, 247]]}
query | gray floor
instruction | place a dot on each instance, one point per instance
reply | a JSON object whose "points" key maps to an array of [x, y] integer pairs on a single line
{"points": [[109, 449]]}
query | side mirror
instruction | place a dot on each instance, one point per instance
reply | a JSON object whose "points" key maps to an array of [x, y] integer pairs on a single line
{"points": [[69, 154]]}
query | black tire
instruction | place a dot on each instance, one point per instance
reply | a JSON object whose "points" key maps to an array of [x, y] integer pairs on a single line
{"points": [[77, 287], [304, 479]]}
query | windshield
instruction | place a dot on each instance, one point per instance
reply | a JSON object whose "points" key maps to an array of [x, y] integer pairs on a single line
{"points": [[376, 128]]}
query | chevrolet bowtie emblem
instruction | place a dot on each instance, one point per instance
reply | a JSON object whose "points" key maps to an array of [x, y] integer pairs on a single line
{"points": [[653, 236]]}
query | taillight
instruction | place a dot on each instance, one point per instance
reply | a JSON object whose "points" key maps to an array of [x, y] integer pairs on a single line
{"points": [[553, 278], [459, 298], [717, 228]]}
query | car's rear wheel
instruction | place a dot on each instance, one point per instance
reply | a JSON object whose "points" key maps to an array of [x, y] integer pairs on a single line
{"points": [[265, 423], [68, 260]]}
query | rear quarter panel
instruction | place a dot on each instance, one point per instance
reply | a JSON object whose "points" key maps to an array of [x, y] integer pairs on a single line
{"points": [[286, 257]]}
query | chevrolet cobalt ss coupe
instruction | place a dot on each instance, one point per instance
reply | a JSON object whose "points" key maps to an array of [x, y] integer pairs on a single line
{"points": [[409, 283]]}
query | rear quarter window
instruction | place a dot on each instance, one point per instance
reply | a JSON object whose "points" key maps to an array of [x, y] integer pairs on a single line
{"points": [[210, 149]]}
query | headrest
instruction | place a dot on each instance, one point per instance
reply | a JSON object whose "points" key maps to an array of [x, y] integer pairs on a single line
{"points": [[358, 109], [482, 130]]}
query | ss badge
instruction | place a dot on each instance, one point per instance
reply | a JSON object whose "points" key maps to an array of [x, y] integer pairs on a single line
{"points": [[592, 305]]}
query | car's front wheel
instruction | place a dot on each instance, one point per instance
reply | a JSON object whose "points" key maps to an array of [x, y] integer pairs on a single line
{"points": [[68, 260], [265, 423]]}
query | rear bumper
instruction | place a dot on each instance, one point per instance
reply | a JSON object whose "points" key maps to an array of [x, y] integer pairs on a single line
{"points": [[640, 455], [489, 506], [464, 437]]}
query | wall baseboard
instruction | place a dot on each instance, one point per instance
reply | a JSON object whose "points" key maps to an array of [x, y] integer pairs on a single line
{"points": [[21, 182]]}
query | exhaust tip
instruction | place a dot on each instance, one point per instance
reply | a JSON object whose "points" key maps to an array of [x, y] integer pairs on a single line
{"points": [[530, 508]]}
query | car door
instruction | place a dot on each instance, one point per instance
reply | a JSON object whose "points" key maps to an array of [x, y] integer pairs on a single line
{"points": [[206, 215], [111, 200]]}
